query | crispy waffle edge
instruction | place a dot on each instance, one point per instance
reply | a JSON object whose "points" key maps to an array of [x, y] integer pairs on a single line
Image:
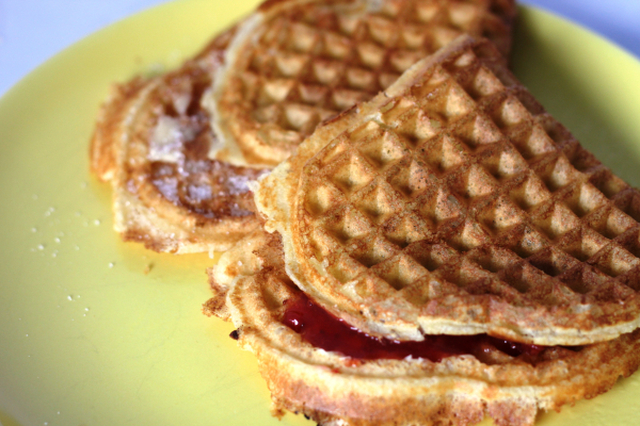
{"points": [[333, 389], [281, 198], [146, 208]]}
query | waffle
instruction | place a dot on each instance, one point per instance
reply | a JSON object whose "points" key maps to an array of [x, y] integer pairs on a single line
{"points": [[452, 203], [295, 63], [252, 289], [155, 137], [151, 142]]}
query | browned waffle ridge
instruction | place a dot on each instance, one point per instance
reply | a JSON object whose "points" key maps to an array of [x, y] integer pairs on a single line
{"points": [[251, 287], [151, 142], [454, 204], [295, 63], [154, 136]]}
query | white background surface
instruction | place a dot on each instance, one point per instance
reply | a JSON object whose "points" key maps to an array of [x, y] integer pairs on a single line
{"points": [[31, 31]]}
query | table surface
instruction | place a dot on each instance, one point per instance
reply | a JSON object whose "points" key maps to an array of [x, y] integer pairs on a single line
{"points": [[31, 31]]}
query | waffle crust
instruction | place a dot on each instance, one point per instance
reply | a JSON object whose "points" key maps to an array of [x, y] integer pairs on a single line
{"points": [[251, 288], [452, 203], [179, 184], [295, 63], [151, 142]]}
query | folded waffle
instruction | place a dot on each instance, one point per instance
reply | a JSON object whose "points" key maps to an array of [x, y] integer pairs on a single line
{"points": [[294, 63], [252, 289], [452, 203], [166, 143], [151, 142]]}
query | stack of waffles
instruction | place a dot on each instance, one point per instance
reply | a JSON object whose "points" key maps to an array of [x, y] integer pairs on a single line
{"points": [[450, 212], [431, 248], [179, 149], [151, 142]]}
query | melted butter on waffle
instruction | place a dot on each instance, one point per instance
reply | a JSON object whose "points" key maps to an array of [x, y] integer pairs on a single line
{"points": [[454, 204], [296, 63]]}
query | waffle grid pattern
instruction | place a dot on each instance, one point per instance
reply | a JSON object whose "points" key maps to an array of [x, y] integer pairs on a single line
{"points": [[467, 180], [257, 297], [314, 61]]}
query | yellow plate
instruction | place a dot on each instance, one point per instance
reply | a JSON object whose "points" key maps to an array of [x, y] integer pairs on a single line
{"points": [[97, 332]]}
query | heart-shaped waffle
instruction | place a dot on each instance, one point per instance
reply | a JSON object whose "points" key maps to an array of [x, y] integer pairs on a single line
{"points": [[154, 137], [252, 289], [295, 63], [452, 203]]}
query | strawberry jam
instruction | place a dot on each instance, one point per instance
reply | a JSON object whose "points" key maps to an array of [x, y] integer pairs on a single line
{"points": [[325, 331]]}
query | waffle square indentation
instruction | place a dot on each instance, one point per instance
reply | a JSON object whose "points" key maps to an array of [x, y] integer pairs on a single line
{"points": [[608, 183], [610, 222], [553, 262], [439, 206], [556, 171], [582, 243], [583, 199], [629, 202], [411, 177], [352, 173], [399, 271], [345, 269], [555, 220], [477, 130], [370, 252], [530, 140], [347, 224], [379, 202], [443, 153], [524, 241], [407, 228], [431, 256], [499, 214], [492, 258], [502, 161], [322, 197], [382, 147], [474, 182], [529, 193], [468, 236], [615, 260]]}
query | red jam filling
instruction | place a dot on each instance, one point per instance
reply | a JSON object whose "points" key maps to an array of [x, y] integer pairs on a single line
{"points": [[325, 331]]}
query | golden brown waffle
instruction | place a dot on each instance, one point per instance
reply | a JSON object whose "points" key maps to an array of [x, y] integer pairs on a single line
{"points": [[294, 63], [154, 137], [454, 204], [252, 289], [151, 142]]}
